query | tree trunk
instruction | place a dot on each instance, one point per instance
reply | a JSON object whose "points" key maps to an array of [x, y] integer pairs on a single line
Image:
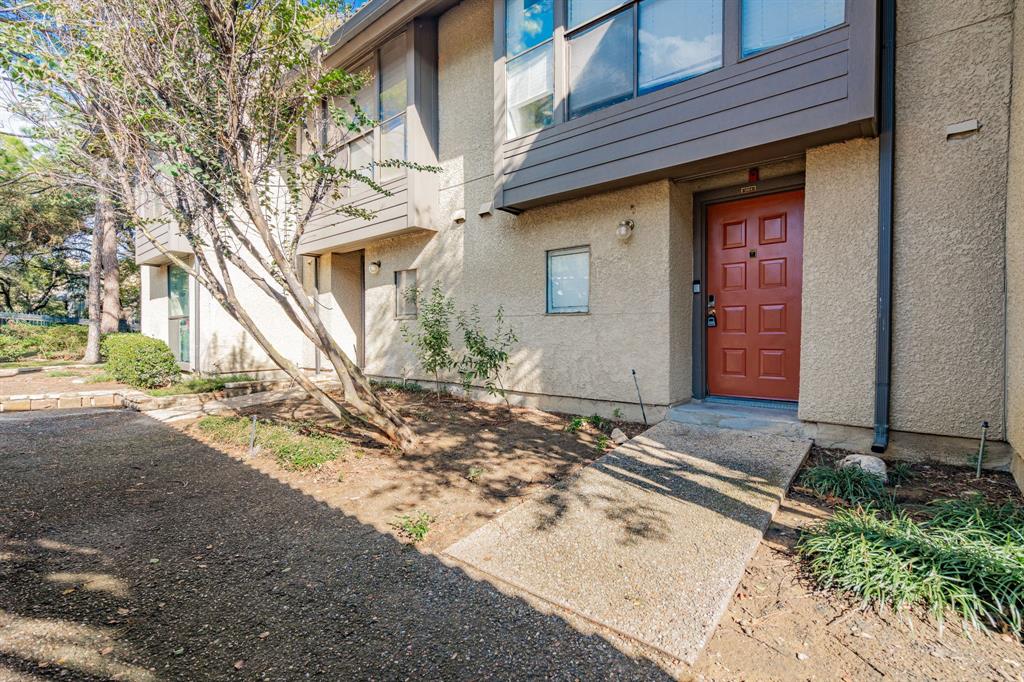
{"points": [[92, 345], [107, 226]]}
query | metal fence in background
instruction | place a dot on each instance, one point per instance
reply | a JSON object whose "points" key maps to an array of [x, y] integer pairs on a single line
{"points": [[39, 320], [50, 320]]}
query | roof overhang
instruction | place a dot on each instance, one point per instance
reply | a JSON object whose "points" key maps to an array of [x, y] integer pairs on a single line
{"points": [[374, 22]]}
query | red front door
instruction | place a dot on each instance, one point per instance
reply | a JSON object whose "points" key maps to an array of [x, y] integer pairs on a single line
{"points": [[755, 268]]}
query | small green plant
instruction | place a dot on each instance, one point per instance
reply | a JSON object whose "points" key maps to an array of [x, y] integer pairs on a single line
{"points": [[485, 357], [390, 385], [966, 557], [431, 339], [578, 422], [602, 443], [139, 360], [414, 527], [100, 378], [852, 485], [474, 473], [900, 473], [297, 446], [617, 413]]}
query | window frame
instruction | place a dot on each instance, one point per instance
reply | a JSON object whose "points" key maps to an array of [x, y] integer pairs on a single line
{"points": [[765, 50], [174, 320], [373, 60], [399, 315], [731, 54], [566, 251]]}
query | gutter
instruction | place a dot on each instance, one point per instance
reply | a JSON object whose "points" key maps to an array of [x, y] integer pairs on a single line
{"points": [[886, 186], [363, 17]]}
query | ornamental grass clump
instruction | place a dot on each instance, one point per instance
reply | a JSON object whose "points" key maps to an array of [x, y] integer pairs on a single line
{"points": [[964, 557], [852, 485]]}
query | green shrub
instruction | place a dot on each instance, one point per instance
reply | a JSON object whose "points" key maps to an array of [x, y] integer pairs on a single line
{"points": [[63, 342], [139, 360], [57, 342], [12, 348], [21, 330], [966, 558], [298, 447], [485, 357], [851, 484], [431, 339]]}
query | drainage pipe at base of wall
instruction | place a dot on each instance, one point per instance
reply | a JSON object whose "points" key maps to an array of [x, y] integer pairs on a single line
{"points": [[886, 182]]}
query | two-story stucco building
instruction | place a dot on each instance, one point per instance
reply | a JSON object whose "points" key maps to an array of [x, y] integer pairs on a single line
{"points": [[818, 202]]}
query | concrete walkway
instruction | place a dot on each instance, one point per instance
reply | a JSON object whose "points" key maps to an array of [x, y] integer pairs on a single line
{"points": [[651, 539]]}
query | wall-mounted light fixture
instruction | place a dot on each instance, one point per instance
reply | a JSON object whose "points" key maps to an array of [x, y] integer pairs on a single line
{"points": [[625, 230], [374, 267]]}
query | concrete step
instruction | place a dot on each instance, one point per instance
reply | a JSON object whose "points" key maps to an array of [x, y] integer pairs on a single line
{"points": [[775, 420]]}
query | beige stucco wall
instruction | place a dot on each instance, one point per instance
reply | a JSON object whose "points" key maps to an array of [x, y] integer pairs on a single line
{"points": [[500, 259], [1015, 254], [953, 64], [837, 349]]}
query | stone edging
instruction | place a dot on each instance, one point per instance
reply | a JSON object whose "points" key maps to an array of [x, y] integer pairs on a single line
{"points": [[130, 398]]}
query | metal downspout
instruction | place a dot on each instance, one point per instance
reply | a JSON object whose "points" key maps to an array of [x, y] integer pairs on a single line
{"points": [[886, 181]]}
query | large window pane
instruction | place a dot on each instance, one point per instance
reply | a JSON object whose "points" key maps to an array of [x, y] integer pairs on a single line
{"points": [[527, 23], [180, 339], [366, 97], [361, 158], [767, 23], [393, 95], [392, 146], [569, 280], [530, 97], [581, 11], [601, 65], [177, 289], [678, 39]]}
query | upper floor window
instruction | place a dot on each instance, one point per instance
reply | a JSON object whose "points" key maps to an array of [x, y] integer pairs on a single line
{"points": [[619, 51], [613, 50], [529, 51], [384, 99], [568, 58], [767, 23]]}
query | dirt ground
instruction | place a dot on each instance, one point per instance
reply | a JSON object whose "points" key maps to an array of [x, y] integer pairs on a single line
{"points": [[778, 627], [131, 549], [474, 461], [63, 380]]}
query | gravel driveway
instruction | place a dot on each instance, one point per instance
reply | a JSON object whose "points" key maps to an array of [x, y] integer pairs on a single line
{"points": [[129, 550]]}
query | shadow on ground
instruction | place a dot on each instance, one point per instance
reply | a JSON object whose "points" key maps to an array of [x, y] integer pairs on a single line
{"points": [[129, 550]]}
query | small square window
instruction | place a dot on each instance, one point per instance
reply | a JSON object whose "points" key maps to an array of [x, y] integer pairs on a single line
{"points": [[569, 280], [405, 297]]}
